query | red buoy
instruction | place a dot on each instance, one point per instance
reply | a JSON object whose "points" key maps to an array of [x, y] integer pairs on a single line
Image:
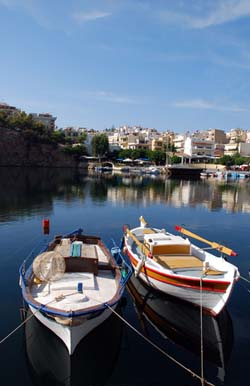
{"points": [[46, 226]]}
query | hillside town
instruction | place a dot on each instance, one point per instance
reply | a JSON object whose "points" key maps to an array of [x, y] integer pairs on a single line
{"points": [[199, 145]]}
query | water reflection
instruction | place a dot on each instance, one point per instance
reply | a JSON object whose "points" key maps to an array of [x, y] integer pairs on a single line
{"points": [[180, 322], [28, 191], [92, 363]]}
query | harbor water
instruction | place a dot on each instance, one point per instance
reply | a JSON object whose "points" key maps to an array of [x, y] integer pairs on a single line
{"points": [[157, 342]]}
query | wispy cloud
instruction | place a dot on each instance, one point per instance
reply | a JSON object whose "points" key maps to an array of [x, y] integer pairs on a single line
{"points": [[219, 12], [82, 17], [208, 105]]}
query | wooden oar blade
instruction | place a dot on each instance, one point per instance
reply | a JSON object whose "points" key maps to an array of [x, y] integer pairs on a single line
{"points": [[215, 245]]}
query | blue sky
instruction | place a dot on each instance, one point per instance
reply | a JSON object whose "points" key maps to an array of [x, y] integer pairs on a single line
{"points": [[169, 64]]}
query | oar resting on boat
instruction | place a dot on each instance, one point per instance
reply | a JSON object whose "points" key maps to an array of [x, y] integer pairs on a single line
{"points": [[174, 265], [213, 244]]}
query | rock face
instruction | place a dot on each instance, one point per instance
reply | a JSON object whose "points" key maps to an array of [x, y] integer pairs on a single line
{"points": [[15, 150]]}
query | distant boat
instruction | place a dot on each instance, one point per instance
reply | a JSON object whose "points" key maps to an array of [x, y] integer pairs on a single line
{"points": [[180, 322], [92, 363], [173, 265], [73, 284]]}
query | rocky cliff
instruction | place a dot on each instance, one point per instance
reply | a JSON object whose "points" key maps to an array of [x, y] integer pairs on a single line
{"points": [[15, 150]]}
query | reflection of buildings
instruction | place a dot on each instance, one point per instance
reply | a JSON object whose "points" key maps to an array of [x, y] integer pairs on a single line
{"points": [[25, 191], [212, 194]]}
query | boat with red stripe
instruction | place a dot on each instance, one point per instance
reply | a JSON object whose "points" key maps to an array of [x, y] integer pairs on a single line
{"points": [[172, 264]]}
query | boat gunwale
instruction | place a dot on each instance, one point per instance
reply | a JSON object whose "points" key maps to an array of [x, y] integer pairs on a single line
{"points": [[26, 280], [183, 277]]}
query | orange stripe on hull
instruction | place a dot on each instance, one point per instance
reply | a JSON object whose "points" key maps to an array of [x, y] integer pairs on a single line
{"points": [[207, 284]]}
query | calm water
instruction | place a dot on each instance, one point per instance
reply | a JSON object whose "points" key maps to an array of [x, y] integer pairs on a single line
{"points": [[114, 354]]}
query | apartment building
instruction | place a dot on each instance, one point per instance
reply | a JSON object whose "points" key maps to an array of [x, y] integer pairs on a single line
{"points": [[178, 142], [237, 135], [197, 148]]}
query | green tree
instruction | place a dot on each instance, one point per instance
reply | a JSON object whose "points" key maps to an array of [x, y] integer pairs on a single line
{"points": [[158, 157], [175, 159], [99, 145]]}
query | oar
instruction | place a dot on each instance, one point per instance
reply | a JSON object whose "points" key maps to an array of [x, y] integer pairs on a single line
{"points": [[213, 244], [145, 250]]}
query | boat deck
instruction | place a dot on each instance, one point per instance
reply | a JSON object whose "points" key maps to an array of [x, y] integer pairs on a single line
{"points": [[63, 293], [175, 262], [91, 271]]}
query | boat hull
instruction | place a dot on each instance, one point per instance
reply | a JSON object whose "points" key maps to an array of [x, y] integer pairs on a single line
{"points": [[71, 335], [211, 301], [211, 292]]}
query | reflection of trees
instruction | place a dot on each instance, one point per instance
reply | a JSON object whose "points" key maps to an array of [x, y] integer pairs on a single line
{"points": [[25, 190], [98, 190]]}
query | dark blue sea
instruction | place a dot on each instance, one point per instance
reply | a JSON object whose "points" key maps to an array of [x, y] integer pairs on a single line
{"points": [[158, 343]]}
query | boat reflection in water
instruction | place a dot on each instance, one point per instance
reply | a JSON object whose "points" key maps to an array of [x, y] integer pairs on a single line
{"points": [[92, 363], [179, 322]]}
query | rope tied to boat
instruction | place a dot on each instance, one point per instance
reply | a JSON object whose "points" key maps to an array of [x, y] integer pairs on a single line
{"points": [[56, 299], [161, 350]]}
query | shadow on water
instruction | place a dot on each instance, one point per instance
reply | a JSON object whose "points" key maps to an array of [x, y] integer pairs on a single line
{"points": [[92, 363], [180, 322]]}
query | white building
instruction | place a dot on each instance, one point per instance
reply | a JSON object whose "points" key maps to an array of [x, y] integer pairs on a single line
{"points": [[198, 148]]}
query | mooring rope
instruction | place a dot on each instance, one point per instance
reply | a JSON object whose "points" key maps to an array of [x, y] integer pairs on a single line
{"points": [[201, 330], [243, 278], [202, 379], [159, 349], [17, 328], [56, 299]]}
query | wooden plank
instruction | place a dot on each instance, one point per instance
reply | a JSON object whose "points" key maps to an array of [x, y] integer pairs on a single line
{"points": [[148, 231], [81, 264], [184, 261], [178, 261], [89, 250]]}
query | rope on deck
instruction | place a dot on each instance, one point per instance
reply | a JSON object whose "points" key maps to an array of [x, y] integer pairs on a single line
{"points": [[203, 380]]}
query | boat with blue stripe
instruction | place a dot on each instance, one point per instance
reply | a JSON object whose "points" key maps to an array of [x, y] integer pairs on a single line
{"points": [[73, 284]]}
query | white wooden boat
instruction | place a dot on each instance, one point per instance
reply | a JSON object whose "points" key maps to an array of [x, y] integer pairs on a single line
{"points": [[180, 322], [49, 363], [173, 265], [73, 284]]}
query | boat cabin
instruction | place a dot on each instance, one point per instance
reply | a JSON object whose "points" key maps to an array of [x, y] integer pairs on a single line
{"points": [[164, 244]]}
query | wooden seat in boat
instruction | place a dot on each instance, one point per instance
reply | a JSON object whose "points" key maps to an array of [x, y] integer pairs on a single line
{"points": [[178, 261], [183, 262]]}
